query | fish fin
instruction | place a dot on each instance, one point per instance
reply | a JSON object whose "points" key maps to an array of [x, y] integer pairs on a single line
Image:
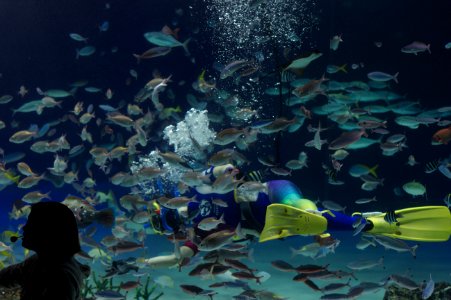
{"points": [[373, 170], [185, 46]]}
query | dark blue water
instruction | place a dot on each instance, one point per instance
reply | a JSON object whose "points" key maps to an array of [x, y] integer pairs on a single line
{"points": [[36, 51]]}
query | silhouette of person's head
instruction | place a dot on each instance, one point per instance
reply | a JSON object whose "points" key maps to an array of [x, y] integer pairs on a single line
{"points": [[51, 231]]}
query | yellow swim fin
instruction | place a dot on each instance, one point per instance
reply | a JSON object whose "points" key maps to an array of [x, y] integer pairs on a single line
{"points": [[283, 220], [425, 224]]}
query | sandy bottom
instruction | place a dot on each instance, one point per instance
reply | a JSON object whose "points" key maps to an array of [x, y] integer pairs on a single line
{"points": [[431, 258]]}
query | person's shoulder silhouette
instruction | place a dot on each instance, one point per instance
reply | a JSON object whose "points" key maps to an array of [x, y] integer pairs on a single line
{"points": [[53, 273]]}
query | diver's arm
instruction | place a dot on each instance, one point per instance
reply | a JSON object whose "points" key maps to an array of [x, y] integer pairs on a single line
{"points": [[165, 261]]}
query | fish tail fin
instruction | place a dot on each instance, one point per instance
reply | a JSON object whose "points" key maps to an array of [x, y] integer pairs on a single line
{"points": [[138, 58], [429, 48], [15, 179], [343, 68], [77, 55], [373, 170], [395, 77], [413, 250], [185, 46]]}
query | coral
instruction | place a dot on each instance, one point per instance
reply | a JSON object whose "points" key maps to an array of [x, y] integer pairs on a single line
{"points": [[10, 294], [442, 291]]}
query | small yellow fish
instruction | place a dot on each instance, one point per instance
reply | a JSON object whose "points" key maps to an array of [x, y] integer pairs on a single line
{"points": [[205, 86], [168, 111], [10, 176]]}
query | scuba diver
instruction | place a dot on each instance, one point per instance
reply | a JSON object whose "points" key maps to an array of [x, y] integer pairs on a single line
{"points": [[52, 273], [275, 210]]}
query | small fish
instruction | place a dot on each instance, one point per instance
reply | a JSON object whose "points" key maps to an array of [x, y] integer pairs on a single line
{"points": [[332, 175], [395, 244], [161, 39], [347, 138], [85, 51], [109, 94], [218, 239], [432, 166], [340, 154], [210, 223], [331, 69], [428, 289], [280, 171], [403, 282], [219, 202], [255, 176], [104, 26], [411, 161], [442, 136], [332, 205], [365, 200], [364, 264], [335, 42], [369, 124], [77, 37], [5, 99], [22, 91], [391, 217], [133, 73], [152, 52], [109, 295], [416, 47], [381, 76]]}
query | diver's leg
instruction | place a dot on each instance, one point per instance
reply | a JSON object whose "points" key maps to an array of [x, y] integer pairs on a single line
{"points": [[165, 261], [339, 221]]}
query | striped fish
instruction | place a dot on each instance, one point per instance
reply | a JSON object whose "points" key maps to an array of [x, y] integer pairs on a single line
{"points": [[288, 76], [255, 176], [391, 217], [432, 166]]}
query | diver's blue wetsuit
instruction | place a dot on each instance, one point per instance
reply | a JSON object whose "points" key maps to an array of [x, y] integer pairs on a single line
{"points": [[279, 191], [252, 214]]}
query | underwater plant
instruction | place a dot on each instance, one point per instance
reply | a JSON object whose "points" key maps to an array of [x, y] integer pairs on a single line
{"points": [[94, 284]]}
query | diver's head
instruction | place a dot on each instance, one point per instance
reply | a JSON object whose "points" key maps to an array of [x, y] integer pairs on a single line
{"points": [[51, 230]]}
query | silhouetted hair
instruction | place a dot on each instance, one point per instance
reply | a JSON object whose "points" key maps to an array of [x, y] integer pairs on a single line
{"points": [[54, 228]]}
